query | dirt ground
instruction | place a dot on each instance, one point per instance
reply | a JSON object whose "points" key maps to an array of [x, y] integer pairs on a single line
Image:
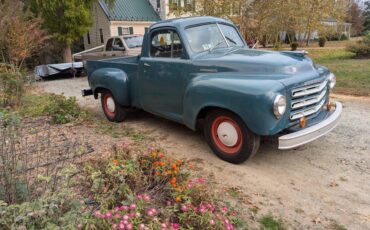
{"points": [[322, 185]]}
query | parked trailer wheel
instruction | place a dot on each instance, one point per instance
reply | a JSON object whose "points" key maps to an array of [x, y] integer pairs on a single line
{"points": [[229, 137], [112, 110]]}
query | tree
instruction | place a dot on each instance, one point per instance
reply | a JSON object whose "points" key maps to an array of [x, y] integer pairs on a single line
{"points": [[366, 16], [20, 35], [66, 20], [265, 19], [355, 17]]}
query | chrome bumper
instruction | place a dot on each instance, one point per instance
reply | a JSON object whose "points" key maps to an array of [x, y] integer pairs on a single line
{"points": [[312, 133]]}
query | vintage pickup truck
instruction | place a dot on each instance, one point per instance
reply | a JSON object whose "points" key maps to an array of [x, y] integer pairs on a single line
{"points": [[200, 69]]}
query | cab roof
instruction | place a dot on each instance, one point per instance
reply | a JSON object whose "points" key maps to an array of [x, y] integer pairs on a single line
{"points": [[182, 23]]}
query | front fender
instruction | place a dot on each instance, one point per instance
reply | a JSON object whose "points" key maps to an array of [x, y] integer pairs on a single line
{"points": [[251, 98], [115, 80]]}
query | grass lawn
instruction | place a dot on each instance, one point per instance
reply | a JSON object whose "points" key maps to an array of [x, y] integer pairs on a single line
{"points": [[353, 75]]}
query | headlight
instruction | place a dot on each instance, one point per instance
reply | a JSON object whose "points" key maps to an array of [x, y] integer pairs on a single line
{"points": [[332, 80], [279, 106]]}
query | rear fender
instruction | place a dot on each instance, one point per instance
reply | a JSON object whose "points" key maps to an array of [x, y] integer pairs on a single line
{"points": [[114, 80]]}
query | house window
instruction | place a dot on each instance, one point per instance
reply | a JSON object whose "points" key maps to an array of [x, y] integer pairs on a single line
{"points": [[126, 30], [88, 38], [101, 36], [158, 4]]}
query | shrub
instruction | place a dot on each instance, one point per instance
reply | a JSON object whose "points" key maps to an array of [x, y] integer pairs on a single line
{"points": [[278, 46], [154, 191], [294, 46], [322, 41], [361, 48], [62, 110], [11, 88]]}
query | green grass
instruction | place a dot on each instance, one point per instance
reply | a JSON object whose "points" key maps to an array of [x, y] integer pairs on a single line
{"points": [[269, 223], [353, 75]]}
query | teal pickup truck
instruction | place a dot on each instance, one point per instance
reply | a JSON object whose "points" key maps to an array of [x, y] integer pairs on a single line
{"points": [[200, 69]]}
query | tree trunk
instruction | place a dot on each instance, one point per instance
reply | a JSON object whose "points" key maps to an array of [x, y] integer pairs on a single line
{"points": [[308, 38], [67, 54]]}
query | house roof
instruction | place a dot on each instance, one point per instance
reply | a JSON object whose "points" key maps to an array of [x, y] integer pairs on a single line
{"points": [[129, 10]]}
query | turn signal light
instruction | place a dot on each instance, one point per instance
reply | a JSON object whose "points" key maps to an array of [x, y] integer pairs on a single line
{"points": [[302, 122]]}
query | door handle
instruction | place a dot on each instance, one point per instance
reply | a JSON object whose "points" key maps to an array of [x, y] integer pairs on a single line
{"points": [[146, 64]]}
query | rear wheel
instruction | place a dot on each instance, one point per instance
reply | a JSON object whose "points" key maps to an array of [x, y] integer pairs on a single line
{"points": [[112, 110], [229, 137]]}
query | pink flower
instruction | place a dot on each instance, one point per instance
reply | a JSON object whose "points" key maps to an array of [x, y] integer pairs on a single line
{"points": [[131, 215], [152, 212], [201, 180], [202, 208], [133, 206], [116, 209], [121, 226], [163, 225], [123, 208], [224, 210], [125, 222], [230, 227], [118, 216], [129, 226], [114, 226], [82, 202], [169, 203], [125, 217], [226, 221], [139, 197], [184, 208], [146, 198], [98, 214], [176, 226], [108, 215], [211, 222], [142, 227]]}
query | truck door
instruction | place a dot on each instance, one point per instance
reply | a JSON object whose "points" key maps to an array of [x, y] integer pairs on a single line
{"points": [[163, 75]]}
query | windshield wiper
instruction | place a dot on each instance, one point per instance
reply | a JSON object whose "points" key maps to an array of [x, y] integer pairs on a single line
{"points": [[230, 40], [212, 48]]}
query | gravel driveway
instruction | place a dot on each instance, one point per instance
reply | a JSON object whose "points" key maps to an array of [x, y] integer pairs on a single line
{"points": [[321, 185]]}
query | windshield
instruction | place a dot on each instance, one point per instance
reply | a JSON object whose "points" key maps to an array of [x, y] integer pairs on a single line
{"points": [[133, 42], [209, 37]]}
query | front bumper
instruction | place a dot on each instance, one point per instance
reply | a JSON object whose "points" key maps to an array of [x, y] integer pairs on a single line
{"points": [[312, 133]]}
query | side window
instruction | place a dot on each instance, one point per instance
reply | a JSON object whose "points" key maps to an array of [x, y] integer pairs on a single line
{"points": [[118, 45], [109, 45], [166, 43]]}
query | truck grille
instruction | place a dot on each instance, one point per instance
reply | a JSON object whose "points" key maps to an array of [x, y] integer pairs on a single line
{"points": [[308, 100]]}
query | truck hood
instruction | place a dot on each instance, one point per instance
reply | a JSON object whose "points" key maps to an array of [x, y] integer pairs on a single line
{"points": [[288, 68]]}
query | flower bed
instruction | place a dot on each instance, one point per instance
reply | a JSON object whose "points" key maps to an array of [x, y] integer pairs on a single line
{"points": [[160, 193]]}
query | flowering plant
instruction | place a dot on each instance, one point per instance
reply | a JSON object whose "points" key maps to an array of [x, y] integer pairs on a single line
{"points": [[154, 191]]}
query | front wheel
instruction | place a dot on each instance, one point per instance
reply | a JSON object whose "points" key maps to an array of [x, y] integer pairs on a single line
{"points": [[229, 137], [112, 110]]}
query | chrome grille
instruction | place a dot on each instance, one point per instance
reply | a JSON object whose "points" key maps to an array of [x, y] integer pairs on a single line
{"points": [[308, 100]]}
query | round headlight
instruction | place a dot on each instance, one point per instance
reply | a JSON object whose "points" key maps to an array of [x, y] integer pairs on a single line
{"points": [[332, 80], [279, 106]]}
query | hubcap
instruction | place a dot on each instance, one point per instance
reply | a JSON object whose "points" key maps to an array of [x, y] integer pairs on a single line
{"points": [[227, 134], [111, 105]]}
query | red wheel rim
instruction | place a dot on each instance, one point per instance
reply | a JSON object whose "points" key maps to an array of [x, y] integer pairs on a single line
{"points": [[228, 149], [106, 98]]}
